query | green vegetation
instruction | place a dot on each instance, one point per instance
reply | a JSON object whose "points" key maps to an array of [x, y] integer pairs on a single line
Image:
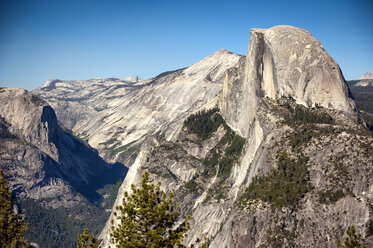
{"points": [[4, 132], [278, 236], [148, 218], [352, 240], [364, 102], [295, 114], [109, 142], [283, 186], [204, 123], [87, 240], [302, 114], [224, 154], [209, 163], [339, 177], [330, 196], [127, 151], [60, 227], [304, 134], [12, 226], [192, 186], [220, 159], [218, 191], [231, 153], [109, 191]]}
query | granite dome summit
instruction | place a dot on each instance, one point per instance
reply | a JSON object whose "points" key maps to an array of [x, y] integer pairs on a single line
{"points": [[286, 61], [284, 118]]}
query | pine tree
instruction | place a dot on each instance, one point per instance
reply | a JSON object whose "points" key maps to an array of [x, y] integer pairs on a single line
{"points": [[147, 218], [352, 240], [87, 240], [12, 226]]}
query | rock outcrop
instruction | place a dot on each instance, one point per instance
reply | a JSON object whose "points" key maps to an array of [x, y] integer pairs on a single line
{"points": [[52, 173], [40, 159], [31, 118], [284, 61], [284, 65], [295, 64], [288, 165], [114, 116]]}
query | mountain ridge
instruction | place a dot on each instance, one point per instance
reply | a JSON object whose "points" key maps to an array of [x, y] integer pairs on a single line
{"points": [[286, 163], [367, 75], [251, 95], [50, 171], [114, 120]]}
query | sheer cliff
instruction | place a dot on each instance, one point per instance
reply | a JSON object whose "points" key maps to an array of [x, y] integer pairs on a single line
{"points": [[47, 167], [115, 116], [288, 165], [284, 162]]}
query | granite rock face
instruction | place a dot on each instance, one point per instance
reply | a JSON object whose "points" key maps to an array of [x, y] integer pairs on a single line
{"points": [[285, 66], [114, 116], [40, 159], [295, 64], [287, 96], [284, 61], [31, 118]]}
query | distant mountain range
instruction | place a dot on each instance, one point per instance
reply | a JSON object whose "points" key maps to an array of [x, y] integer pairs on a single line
{"points": [[367, 75]]}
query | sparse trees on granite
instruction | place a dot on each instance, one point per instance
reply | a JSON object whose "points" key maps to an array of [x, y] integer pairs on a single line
{"points": [[352, 240]]}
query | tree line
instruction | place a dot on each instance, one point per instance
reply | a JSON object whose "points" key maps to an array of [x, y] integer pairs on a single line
{"points": [[147, 218]]}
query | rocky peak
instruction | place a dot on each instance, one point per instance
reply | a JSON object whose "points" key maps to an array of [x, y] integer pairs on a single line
{"points": [[30, 118], [147, 120], [284, 61], [368, 75], [112, 115], [293, 63], [50, 83], [33, 123], [133, 79]]}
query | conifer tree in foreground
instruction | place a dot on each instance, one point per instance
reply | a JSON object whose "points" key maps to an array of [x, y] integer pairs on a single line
{"points": [[147, 218], [12, 226], [87, 240]]}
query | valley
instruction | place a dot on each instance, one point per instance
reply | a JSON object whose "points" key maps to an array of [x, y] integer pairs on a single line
{"points": [[271, 149]]}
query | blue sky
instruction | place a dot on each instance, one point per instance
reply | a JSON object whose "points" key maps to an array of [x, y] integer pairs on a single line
{"points": [[87, 39]]}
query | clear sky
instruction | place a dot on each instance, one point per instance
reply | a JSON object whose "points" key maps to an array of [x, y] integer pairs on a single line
{"points": [[87, 39]]}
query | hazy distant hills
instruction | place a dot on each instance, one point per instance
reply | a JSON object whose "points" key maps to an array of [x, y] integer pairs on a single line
{"points": [[367, 75], [362, 90], [366, 80]]}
